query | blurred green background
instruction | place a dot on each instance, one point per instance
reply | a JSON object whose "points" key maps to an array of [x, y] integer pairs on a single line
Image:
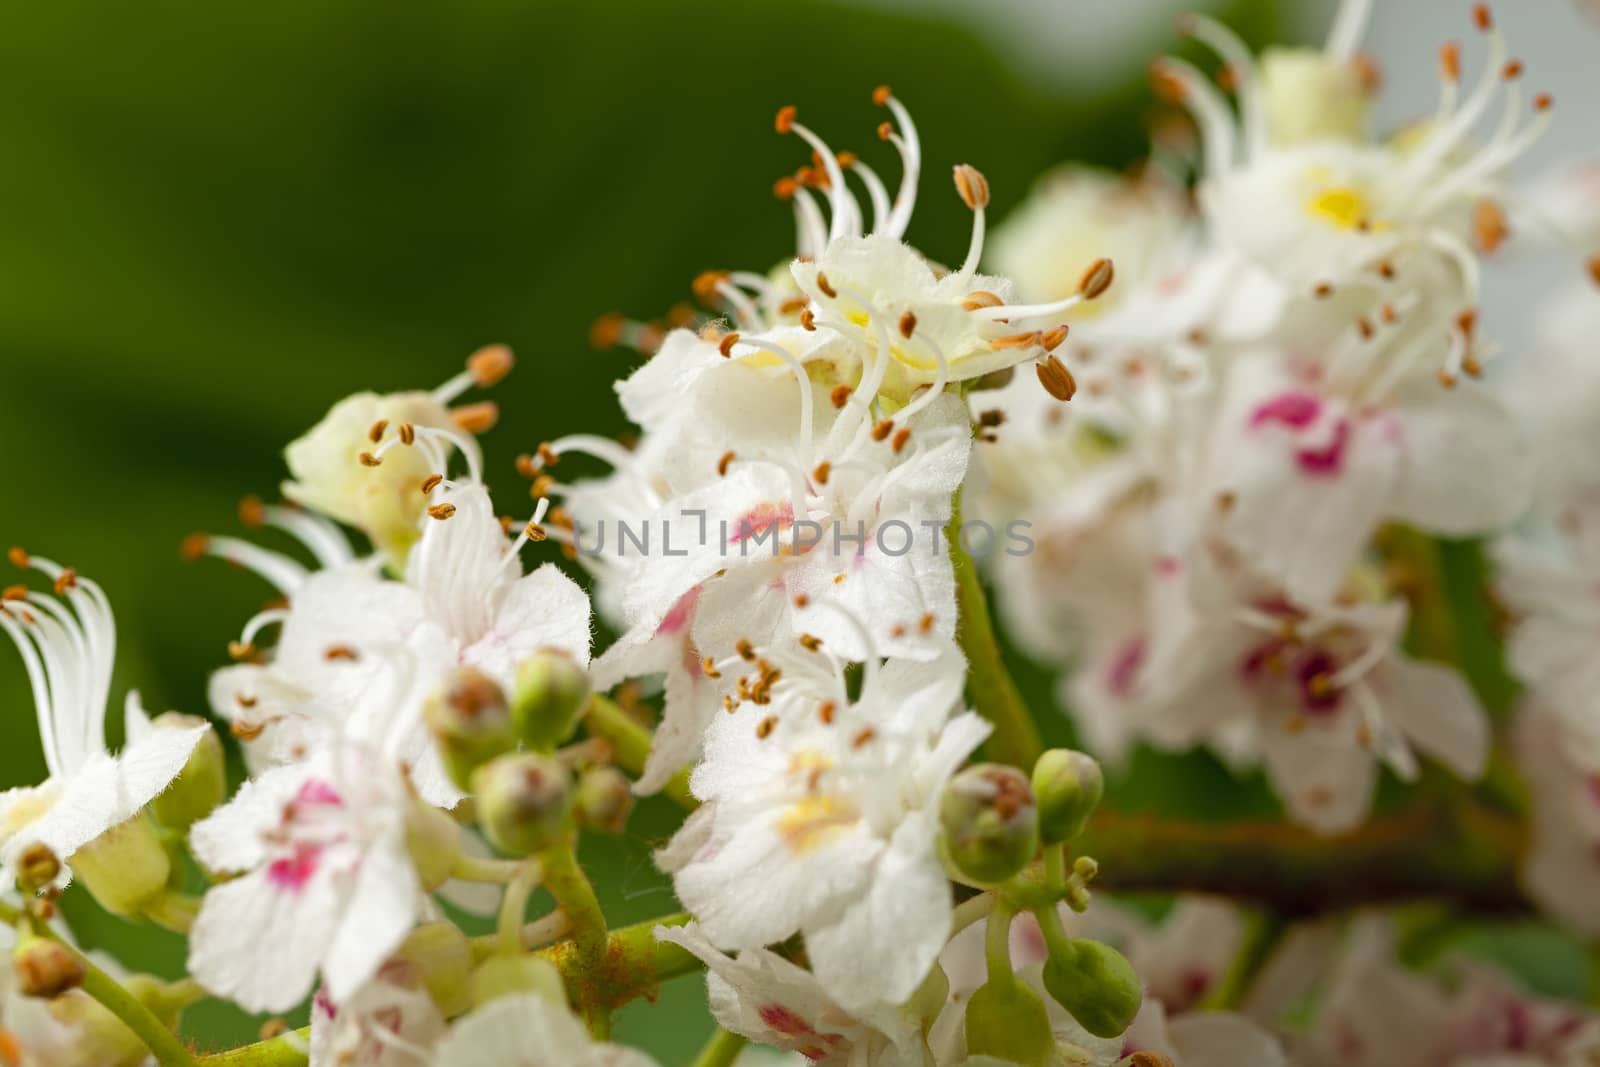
{"points": [[219, 219]]}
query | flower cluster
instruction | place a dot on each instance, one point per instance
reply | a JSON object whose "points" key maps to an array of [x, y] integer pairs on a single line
{"points": [[1222, 483]]}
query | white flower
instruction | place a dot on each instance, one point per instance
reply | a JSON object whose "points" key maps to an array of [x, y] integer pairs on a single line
{"points": [[359, 652], [1562, 866], [1308, 456], [1376, 1013], [909, 323], [390, 1022], [330, 465], [820, 816], [798, 500], [1324, 691], [328, 885], [771, 1001], [68, 646], [1329, 211], [525, 1030]]}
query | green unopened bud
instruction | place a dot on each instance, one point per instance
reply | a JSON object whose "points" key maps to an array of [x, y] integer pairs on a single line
{"points": [[1095, 983], [1068, 786], [1008, 1020], [440, 956], [124, 868], [97, 1036], [500, 976], [524, 802], [604, 799], [470, 722], [37, 868], [156, 995], [202, 785], [549, 696], [45, 967], [434, 840], [991, 829]]}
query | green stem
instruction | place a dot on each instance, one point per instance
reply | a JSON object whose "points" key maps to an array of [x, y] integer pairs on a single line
{"points": [[721, 1050], [632, 964], [997, 946], [990, 687], [630, 743], [1263, 931], [286, 1050], [972, 910], [514, 906], [486, 870], [163, 1043], [575, 894], [1055, 868]]}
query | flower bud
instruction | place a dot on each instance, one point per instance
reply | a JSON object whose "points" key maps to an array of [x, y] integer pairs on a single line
{"points": [[549, 696], [991, 829], [604, 799], [1095, 983], [1067, 786], [434, 840], [441, 957], [156, 995], [500, 976], [524, 802], [470, 722], [37, 868], [1008, 1020], [91, 1034], [45, 968], [201, 786], [124, 868], [1310, 97]]}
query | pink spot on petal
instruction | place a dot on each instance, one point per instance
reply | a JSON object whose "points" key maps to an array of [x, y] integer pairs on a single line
{"points": [[784, 1021], [761, 518], [1168, 566], [292, 872], [1123, 673], [1327, 461], [680, 614], [1293, 409], [317, 791]]}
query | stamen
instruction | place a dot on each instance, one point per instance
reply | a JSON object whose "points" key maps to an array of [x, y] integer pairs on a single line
{"points": [[974, 190], [476, 418], [1349, 26], [441, 511], [901, 436], [1242, 67], [430, 483], [722, 464], [283, 573], [1056, 378], [1489, 227], [376, 433], [840, 395], [485, 367], [909, 146]]}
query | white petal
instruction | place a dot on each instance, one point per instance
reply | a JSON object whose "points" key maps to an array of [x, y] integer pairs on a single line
{"points": [[546, 609], [1223, 1040], [377, 915], [1437, 711], [883, 946], [1463, 467], [231, 838], [258, 944]]}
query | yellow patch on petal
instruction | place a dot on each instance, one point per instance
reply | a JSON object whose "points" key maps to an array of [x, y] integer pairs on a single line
{"points": [[1342, 206], [814, 821]]}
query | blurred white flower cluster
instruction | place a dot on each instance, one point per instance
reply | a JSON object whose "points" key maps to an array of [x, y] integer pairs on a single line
{"points": [[1209, 484]]}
